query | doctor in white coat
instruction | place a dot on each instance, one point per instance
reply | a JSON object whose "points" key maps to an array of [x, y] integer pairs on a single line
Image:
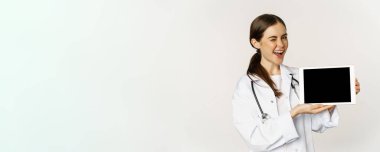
{"points": [[273, 120]]}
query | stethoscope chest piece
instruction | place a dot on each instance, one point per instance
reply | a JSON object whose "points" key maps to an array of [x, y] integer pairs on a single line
{"points": [[264, 117]]}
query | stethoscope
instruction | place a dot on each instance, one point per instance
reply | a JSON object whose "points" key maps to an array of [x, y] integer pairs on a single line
{"points": [[265, 116]]}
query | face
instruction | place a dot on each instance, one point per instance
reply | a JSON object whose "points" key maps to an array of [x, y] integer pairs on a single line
{"points": [[273, 45]]}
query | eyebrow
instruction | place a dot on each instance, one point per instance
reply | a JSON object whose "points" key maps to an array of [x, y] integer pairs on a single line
{"points": [[286, 34]]}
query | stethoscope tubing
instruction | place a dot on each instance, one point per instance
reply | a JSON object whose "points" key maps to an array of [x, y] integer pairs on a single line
{"points": [[265, 116]]}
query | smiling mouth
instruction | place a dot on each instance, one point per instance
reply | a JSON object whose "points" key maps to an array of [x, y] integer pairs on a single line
{"points": [[278, 52]]}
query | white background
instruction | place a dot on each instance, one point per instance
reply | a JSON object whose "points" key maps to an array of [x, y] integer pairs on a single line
{"points": [[159, 75]]}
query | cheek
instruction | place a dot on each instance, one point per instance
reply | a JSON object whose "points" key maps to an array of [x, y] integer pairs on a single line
{"points": [[269, 46]]}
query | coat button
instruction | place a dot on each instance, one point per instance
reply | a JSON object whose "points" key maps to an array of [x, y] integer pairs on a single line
{"points": [[271, 101]]}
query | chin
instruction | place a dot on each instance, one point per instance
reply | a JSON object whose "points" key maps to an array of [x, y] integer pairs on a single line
{"points": [[278, 62]]}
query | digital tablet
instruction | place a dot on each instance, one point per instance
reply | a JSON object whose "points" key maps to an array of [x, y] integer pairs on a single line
{"points": [[331, 85]]}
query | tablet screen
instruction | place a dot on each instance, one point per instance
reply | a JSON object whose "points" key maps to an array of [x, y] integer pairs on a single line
{"points": [[327, 85]]}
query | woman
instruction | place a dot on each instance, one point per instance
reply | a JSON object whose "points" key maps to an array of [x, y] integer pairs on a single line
{"points": [[270, 119]]}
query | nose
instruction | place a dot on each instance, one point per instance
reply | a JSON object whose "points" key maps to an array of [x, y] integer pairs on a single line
{"points": [[280, 43]]}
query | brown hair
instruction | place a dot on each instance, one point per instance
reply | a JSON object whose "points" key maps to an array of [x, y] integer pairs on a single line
{"points": [[258, 27]]}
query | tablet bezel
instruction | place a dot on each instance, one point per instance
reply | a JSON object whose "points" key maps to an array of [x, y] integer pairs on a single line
{"points": [[352, 80]]}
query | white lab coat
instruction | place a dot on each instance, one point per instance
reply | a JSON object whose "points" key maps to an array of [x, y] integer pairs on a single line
{"points": [[279, 132]]}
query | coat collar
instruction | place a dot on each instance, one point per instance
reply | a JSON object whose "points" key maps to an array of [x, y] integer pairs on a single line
{"points": [[286, 79], [285, 76], [285, 73]]}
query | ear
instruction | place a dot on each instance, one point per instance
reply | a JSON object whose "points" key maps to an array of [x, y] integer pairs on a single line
{"points": [[255, 43]]}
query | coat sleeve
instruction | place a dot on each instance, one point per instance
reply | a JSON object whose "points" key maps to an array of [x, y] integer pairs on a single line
{"points": [[260, 136], [324, 120]]}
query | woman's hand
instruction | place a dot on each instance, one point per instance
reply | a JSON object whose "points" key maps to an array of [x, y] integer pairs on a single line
{"points": [[310, 109], [357, 86], [331, 109]]}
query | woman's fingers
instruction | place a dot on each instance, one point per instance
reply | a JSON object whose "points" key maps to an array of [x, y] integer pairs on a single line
{"points": [[311, 108], [316, 106], [357, 89], [357, 86], [320, 108], [331, 108]]}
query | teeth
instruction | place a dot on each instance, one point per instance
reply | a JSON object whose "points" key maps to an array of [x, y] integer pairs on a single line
{"points": [[278, 52]]}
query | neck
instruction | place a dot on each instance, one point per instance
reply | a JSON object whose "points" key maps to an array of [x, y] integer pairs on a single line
{"points": [[271, 68]]}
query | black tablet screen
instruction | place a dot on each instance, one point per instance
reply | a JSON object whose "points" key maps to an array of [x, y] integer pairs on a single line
{"points": [[327, 85]]}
